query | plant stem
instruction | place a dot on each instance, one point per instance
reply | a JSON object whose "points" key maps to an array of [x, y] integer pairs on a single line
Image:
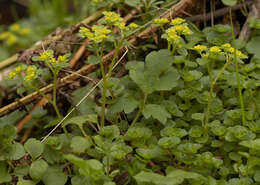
{"points": [[55, 86], [212, 84], [139, 111], [210, 95], [237, 74], [105, 85]]}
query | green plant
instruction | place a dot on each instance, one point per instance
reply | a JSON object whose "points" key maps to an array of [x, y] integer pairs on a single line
{"points": [[175, 117], [31, 74]]}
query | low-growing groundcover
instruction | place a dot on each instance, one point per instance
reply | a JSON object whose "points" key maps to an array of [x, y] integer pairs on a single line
{"points": [[184, 114]]}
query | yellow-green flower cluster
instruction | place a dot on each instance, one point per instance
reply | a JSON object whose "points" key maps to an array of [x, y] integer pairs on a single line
{"points": [[31, 73], [98, 35], [177, 21], [17, 71], [200, 48], [215, 50], [112, 18], [46, 55], [226, 49], [179, 28], [160, 21], [10, 37], [133, 26], [232, 51]]}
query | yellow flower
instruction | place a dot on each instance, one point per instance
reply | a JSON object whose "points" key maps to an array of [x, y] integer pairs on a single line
{"points": [[62, 59], [177, 21], [11, 39], [133, 25], [15, 27], [161, 21], [46, 55], [30, 77], [178, 28], [186, 30], [25, 31], [30, 73], [240, 54], [18, 69], [86, 33], [215, 50], [11, 75], [112, 17], [200, 48], [53, 61], [99, 38], [121, 25], [172, 35], [4, 35], [31, 69], [100, 30], [227, 45]]}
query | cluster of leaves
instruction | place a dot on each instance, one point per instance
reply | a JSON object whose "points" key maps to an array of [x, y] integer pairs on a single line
{"points": [[175, 118]]}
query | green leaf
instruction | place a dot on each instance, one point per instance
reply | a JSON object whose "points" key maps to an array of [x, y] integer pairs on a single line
{"points": [[132, 3], [80, 120], [253, 144], [126, 104], [229, 2], [253, 46], [4, 175], [79, 180], [21, 181], [80, 144], [34, 147], [54, 176], [136, 133], [93, 59], [37, 169], [174, 177], [21, 170], [169, 142], [156, 111], [156, 74], [110, 132], [167, 81], [170, 131], [150, 153], [92, 167], [158, 61], [16, 151]]}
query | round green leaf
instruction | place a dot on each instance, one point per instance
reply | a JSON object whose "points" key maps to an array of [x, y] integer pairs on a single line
{"points": [[34, 147], [37, 169]]}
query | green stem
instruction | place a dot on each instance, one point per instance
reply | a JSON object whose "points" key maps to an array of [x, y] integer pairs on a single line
{"points": [[55, 86], [237, 74], [212, 84], [83, 131], [42, 94], [139, 111], [105, 85], [210, 95]]}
